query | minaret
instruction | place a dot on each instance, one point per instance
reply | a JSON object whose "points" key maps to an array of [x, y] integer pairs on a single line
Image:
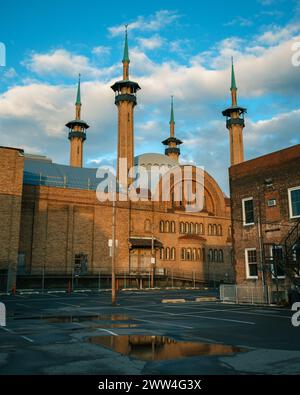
{"points": [[125, 99], [172, 142], [77, 133], [235, 123]]}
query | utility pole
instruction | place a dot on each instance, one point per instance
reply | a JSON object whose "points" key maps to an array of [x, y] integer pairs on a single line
{"points": [[113, 253], [152, 257]]}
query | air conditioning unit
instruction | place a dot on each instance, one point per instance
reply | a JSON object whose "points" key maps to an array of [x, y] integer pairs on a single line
{"points": [[271, 202]]}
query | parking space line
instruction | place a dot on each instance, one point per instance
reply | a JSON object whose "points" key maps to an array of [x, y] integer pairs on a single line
{"points": [[28, 339], [23, 305], [106, 330], [219, 319], [164, 323], [234, 311]]}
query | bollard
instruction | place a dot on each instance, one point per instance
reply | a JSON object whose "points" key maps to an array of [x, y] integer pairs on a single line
{"points": [[14, 290], [69, 287]]}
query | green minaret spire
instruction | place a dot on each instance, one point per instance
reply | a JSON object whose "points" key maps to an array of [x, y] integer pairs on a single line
{"points": [[126, 52], [233, 83], [78, 98], [172, 121]]}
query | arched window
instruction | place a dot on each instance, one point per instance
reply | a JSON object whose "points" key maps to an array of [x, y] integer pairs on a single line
{"points": [[173, 230], [220, 230], [202, 229], [187, 228], [203, 255], [210, 256], [161, 227], [161, 254], [167, 253], [215, 230], [147, 225], [210, 230], [181, 227], [199, 257], [173, 253], [192, 228], [183, 254], [188, 254], [215, 255], [194, 254], [167, 226], [221, 256]]}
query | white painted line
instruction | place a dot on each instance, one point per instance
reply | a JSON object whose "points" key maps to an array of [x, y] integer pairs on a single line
{"points": [[106, 330], [149, 311], [7, 330], [67, 304], [220, 319], [235, 311], [164, 323], [28, 339], [23, 305]]}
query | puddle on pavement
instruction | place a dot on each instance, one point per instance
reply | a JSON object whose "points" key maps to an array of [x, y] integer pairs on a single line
{"points": [[159, 348], [63, 319]]}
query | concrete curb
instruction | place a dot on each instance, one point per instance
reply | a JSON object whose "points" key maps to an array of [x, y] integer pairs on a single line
{"points": [[173, 301]]}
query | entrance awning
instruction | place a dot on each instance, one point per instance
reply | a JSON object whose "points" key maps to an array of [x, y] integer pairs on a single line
{"points": [[144, 242]]}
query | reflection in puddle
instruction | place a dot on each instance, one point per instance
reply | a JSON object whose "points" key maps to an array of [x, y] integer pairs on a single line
{"points": [[63, 319], [154, 348]]}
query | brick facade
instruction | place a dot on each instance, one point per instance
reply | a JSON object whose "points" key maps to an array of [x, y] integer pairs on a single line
{"points": [[264, 179], [11, 183]]}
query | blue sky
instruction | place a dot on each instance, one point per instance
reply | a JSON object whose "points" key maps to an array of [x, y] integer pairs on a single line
{"points": [[176, 47]]}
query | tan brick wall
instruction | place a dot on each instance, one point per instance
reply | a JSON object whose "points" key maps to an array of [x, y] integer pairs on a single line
{"points": [[11, 181]]}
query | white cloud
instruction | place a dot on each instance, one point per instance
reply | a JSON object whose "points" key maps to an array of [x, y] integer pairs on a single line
{"points": [[60, 62], [153, 22], [101, 50], [150, 43]]}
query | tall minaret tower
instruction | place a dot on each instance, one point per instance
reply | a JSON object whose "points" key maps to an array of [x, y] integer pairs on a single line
{"points": [[77, 133], [125, 99], [172, 142], [235, 123]]}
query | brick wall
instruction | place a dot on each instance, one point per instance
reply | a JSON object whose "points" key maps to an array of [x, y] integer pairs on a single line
{"points": [[248, 179], [11, 181]]}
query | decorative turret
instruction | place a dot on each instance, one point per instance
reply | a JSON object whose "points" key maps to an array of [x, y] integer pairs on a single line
{"points": [[173, 151], [77, 133], [235, 123], [125, 99]]}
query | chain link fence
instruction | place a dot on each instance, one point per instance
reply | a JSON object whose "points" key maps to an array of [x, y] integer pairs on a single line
{"points": [[253, 294]]}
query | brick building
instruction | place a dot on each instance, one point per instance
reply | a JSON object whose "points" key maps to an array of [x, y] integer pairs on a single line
{"points": [[265, 201], [52, 221]]}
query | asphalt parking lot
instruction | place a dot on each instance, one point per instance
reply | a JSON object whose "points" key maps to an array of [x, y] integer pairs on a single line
{"points": [[83, 334]]}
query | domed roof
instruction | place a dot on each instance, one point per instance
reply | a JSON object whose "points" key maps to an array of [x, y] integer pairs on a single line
{"points": [[152, 159]]}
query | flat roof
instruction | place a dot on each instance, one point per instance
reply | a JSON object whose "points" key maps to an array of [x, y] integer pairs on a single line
{"points": [[273, 159]]}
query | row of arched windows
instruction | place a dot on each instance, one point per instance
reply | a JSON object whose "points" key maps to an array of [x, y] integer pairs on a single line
{"points": [[168, 254], [215, 230], [193, 254], [167, 227], [188, 228], [215, 256], [191, 228]]}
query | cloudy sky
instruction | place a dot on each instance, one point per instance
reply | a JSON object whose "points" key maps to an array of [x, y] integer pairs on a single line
{"points": [[176, 48]]}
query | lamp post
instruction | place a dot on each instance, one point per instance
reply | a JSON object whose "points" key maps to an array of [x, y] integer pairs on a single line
{"points": [[113, 254]]}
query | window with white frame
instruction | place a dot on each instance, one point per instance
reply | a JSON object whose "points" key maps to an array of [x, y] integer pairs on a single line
{"points": [[248, 211], [251, 263], [294, 202], [277, 265]]}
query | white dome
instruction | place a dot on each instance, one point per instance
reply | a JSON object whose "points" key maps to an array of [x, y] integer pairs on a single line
{"points": [[152, 159]]}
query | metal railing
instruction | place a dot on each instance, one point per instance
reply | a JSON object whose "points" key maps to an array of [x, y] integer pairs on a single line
{"points": [[253, 294]]}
